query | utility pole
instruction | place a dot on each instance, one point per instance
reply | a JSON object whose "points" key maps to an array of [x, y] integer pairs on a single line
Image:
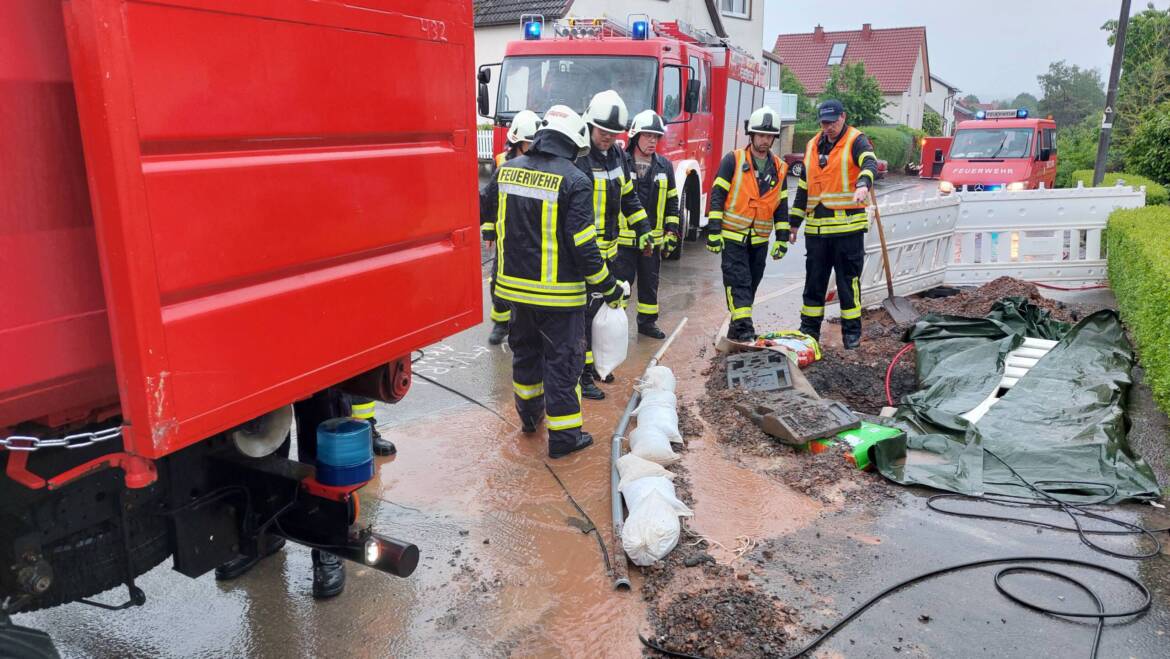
{"points": [[1111, 94]]}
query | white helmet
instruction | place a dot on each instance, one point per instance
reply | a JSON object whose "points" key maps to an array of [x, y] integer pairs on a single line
{"points": [[524, 126], [608, 112], [647, 121], [764, 121], [562, 119]]}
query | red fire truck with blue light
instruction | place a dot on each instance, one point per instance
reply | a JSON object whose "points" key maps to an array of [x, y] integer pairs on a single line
{"points": [[1001, 149], [703, 87]]}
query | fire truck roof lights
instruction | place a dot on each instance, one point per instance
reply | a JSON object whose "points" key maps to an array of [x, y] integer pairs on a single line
{"points": [[640, 30], [1021, 113], [533, 25]]}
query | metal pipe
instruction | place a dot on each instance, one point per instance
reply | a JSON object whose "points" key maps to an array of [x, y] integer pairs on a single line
{"points": [[621, 577]]}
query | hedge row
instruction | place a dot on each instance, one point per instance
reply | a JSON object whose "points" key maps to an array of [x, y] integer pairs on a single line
{"points": [[897, 145], [1155, 194], [1138, 241]]}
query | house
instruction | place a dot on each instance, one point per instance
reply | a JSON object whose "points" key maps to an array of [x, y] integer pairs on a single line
{"points": [[896, 57], [942, 99], [497, 22]]}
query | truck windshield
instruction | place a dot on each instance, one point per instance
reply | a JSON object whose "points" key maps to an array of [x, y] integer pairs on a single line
{"points": [[538, 83], [992, 143]]}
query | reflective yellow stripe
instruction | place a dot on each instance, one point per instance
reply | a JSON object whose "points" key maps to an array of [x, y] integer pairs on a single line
{"points": [[528, 391], [782, 226], [737, 313], [733, 236], [828, 225], [866, 173], [715, 215], [854, 311], [673, 192], [627, 186], [661, 214], [500, 229], [585, 235], [812, 312], [548, 240], [565, 422], [865, 154], [647, 308], [802, 184], [588, 361], [501, 316], [568, 287], [636, 217], [759, 240], [738, 177], [362, 410], [797, 212], [536, 299], [599, 193], [598, 276], [723, 183]]}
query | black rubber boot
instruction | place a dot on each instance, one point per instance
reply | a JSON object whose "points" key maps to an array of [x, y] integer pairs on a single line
{"points": [[499, 333], [328, 575], [238, 567], [651, 330], [741, 332], [560, 450], [851, 334], [810, 329], [381, 446], [588, 388], [528, 426]]}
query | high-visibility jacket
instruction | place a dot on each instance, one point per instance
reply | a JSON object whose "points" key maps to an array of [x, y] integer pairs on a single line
{"points": [[501, 158], [747, 204], [487, 202], [546, 244], [659, 197], [833, 185], [613, 197]]}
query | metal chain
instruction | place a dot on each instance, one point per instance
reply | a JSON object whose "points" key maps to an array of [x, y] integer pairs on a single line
{"points": [[79, 440]]}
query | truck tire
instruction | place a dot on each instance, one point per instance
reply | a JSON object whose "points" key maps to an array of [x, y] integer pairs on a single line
{"points": [[92, 561]]}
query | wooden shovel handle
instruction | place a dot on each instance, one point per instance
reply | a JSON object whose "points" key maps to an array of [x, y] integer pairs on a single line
{"points": [[877, 216]]}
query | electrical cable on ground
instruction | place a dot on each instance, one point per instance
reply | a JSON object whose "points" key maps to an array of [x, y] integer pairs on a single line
{"points": [[890, 373], [1091, 287], [592, 527], [460, 394]]}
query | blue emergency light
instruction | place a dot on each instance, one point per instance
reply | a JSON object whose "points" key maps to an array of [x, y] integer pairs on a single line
{"points": [[532, 31], [1022, 113], [640, 30], [981, 114]]}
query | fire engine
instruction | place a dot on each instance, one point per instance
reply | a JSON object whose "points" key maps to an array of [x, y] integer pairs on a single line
{"points": [[703, 87], [1001, 149]]}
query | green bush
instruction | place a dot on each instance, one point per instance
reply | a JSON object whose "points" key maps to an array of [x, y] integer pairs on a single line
{"points": [[801, 135], [892, 144], [1138, 241], [1076, 148], [1156, 195], [1147, 151], [932, 123]]}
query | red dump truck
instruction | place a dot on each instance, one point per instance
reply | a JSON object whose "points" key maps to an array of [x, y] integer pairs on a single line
{"points": [[211, 209]]}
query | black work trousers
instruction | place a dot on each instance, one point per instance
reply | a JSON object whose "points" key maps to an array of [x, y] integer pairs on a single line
{"points": [[845, 255], [743, 268], [548, 354], [635, 267]]}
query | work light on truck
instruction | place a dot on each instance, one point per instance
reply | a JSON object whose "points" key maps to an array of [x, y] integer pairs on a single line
{"points": [[946, 187]]}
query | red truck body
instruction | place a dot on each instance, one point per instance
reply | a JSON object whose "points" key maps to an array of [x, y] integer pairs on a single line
{"points": [[211, 209], [651, 73], [1001, 149]]}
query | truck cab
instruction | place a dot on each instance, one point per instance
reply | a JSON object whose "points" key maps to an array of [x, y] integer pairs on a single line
{"points": [[1001, 150]]}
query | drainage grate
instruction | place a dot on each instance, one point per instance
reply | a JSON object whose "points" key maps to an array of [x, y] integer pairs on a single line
{"points": [[766, 370]]}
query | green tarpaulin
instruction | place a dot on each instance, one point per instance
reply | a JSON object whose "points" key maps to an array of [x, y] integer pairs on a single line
{"points": [[1064, 422]]}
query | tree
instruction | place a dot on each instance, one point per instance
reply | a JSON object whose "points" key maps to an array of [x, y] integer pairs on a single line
{"points": [[971, 100], [1148, 149], [932, 123], [858, 92], [1077, 146], [1025, 100], [1071, 93], [790, 84], [1145, 73]]}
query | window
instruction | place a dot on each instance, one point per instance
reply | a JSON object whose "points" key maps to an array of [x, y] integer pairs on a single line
{"points": [[992, 143], [1050, 138], [837, 54], [671, 93], [537, 83], [736, 8], [705, 94]]}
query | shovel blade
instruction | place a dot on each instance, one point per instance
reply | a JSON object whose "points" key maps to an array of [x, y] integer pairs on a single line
{"points": [[900, 309]]}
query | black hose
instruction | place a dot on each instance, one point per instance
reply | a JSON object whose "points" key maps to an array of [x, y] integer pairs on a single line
{"points": [[458, 393]]}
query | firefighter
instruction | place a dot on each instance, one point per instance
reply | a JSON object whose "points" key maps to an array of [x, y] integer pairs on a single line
{"points": [[613, 196], [653, 177], [547, 253], [838, 172], [363, 409], [520, 135], [749, 202]]}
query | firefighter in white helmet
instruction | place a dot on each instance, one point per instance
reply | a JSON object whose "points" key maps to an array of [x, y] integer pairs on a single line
{"points": [[520, 136], [613, 197], [749, 203], [547, 254], [654, 184]]}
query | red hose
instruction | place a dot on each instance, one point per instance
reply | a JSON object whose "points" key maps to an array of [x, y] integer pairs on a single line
{"points": [[890, 372], [1091, 287]]}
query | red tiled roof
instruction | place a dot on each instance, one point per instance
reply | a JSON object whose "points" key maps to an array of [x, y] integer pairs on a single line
{"points": [[889, 55]]}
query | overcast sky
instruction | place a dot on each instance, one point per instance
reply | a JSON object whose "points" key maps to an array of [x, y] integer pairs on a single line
{"points": [[992, 48]]}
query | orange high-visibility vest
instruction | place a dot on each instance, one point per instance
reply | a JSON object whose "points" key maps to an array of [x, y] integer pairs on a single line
{"points": [[833, 184], [746, 212], [501, 158]]}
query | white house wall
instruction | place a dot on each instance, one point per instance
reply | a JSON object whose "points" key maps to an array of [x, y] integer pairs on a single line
{"points": [[908, 107]]}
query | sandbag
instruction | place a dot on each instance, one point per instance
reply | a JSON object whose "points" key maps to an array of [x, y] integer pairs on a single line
{"points": [[657, 398], [664, 419], [631, 468], [611, 337], [637, 491], [657, 377], [650, 443], [651, 530]]}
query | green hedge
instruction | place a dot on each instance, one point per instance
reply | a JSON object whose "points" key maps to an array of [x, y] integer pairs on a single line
{"points": [[1138, 241], [1156, 195], [892, 144], [801, 136]]}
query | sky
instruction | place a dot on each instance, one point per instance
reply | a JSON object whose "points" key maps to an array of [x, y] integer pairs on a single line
{"points": [[991, 48]]}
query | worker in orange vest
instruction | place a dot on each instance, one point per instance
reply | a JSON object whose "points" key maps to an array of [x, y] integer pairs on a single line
{"points": [[838, 172], [520, 136], [749, 203]]}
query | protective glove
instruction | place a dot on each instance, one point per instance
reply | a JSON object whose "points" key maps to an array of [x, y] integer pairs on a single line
{"points": [[670, 242], [714, 243], [644, 242], [488, 233], [780, 247], [613, 297]]}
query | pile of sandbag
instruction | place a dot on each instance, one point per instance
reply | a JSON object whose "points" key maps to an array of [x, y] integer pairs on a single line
{"points": [[652, 528]]}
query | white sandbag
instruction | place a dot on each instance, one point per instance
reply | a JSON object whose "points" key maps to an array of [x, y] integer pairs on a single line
{"points": [[664, 419], [657, 377], [611, 337], [656, 398], [651, 530], [631, 468], [637, 491], [650, 443]]}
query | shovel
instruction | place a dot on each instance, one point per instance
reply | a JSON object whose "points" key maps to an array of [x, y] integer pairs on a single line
{"points": [[899, 308]]}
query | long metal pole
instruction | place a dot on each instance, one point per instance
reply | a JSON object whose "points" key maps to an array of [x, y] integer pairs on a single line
{"points": [[1111, 95], [621, 577]]}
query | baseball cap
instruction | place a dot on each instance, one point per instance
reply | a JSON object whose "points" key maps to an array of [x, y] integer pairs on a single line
{"points": [[830, 110]]}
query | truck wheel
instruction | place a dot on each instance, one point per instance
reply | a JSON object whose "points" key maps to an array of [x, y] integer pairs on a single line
{"points": [[92, 561]]}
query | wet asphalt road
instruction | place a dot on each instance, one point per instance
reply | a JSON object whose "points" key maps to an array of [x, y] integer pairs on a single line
{"points": [[504, 573]]}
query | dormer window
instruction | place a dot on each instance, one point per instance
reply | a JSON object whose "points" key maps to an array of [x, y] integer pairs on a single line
{"points": [[837, 54]]}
